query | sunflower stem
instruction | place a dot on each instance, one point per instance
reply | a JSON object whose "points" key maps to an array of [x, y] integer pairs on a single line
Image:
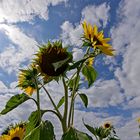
{"points": [[71, 111], [38, 100], [66, 105], [54, 105]]}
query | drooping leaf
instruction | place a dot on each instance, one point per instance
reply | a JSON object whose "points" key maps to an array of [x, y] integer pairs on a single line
{"points": [[14, 101], [61, 101], [84, 98], [90, 128], [60, 63], [74, 134], [90, 74], [33, 121], [44, 131]]}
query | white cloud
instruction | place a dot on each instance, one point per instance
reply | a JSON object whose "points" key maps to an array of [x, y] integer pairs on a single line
{"points": [[104, 93], [23, 49], [92, 14], [96, 14], [25, 10], [126, 41]]}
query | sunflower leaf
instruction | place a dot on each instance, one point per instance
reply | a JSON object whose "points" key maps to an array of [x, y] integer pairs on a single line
{"points": [[74, 134], [60, 63], [13, 102], [41, 132], [84, 98], [61, 101], [90, 74], [33, 121], [74, 82], [90, 128]]}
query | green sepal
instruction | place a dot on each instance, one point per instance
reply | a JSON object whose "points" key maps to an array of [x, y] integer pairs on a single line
{"points": [[14, 101]]}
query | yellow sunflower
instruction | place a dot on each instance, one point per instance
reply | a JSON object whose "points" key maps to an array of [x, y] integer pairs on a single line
{"points": [[90, 61], [97, 39], [107, 125], [5, 137], [26, 80], [52, 59], [17, 133], [138, 120]]}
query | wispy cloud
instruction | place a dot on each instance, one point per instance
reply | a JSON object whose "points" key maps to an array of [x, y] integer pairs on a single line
{"points": [[25, 10]]}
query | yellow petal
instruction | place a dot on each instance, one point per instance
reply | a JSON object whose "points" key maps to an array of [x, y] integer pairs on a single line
{"points": [[100, 35], [105, 40], [95, 30]]}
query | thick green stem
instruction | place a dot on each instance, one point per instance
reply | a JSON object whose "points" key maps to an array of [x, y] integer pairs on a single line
{"points": [[54, 105], [65, 106], [71, 111], [38, 100]]}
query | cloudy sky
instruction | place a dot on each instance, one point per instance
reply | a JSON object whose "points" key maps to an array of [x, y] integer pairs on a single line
{"points": [[115, 96]]}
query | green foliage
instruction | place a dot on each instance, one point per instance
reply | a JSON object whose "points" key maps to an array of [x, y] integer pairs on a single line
{"points": [[61, 102], [103, 133], [76, 64], [33, 121], [74, 83], [84, 98], [44, 131], [14, 101], [90, 74], [74, 134]]}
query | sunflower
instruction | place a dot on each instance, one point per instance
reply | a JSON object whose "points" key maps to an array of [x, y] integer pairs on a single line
{"points": [[97, 39], [17, 133], [5, 137], [107, 125], [52, 59], [90, 61], [26, 80], [138, 120]]}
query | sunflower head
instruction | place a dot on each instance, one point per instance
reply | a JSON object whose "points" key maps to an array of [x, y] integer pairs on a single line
{"points": [[14, 132], [17, 133], [52, 59], [138, 120], [107, 125], [96, 39], [26, 80]]}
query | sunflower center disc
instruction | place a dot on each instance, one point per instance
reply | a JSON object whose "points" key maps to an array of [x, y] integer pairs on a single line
{"points": [[16, 138]]}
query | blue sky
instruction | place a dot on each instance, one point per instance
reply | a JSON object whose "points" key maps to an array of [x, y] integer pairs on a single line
{"points": [[115, 96]]}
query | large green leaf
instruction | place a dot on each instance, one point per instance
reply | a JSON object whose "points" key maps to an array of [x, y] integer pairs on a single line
{"points": [[74, 134], [90, 74], [90, 128], [61, 101], [84, 98], [33, 121], [44, 131], [14, 101]]}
